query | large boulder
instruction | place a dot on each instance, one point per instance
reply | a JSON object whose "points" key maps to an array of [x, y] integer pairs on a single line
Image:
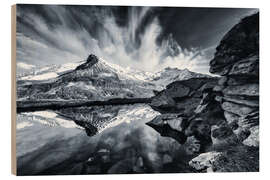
{"points": [[182, 96], [204, 161], [229, 159], [244, 90], [241, 42]]}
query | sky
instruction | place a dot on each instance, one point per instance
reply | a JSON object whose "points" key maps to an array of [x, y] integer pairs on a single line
{"points": [[144, 38]]}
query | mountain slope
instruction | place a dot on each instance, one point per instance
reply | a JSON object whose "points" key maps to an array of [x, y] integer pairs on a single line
{"points": [[169, 75], [95, 79]]}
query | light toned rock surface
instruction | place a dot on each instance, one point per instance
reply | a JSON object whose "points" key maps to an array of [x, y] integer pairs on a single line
{"points": [[230, 117], [176, 123], [204, 160], [236, 108], [242, 101], [247, 89], [253, 138]]}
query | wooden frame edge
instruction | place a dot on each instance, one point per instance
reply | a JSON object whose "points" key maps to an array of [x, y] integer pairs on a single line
{"points": [[13, 91]]}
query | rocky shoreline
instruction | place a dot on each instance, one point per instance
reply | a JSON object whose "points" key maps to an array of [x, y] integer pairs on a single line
{"points": [[221, 115]]}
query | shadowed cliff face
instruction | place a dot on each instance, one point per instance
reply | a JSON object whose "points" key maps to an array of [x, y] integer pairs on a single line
{"points": [[241, 43], [237, 60]]}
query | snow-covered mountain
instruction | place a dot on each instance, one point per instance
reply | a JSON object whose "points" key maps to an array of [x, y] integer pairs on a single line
{"points": [[95, 79], [169, 75], [47, 72]]}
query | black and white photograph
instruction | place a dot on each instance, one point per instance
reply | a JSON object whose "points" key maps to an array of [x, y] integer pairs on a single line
{"points": [[136, 89]]}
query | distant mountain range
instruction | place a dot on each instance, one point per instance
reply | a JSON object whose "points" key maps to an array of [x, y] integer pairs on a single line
{"points": [[95, 79]]}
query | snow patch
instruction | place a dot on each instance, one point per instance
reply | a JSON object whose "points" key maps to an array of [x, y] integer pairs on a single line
{"points": [[25, 66], [68, 67], [41, 76]]}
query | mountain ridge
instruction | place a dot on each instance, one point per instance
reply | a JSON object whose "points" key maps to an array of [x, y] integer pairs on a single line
{"points": [[97, 79]]}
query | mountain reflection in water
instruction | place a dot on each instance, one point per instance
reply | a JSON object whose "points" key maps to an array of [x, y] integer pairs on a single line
{"points": [[116, 140]]}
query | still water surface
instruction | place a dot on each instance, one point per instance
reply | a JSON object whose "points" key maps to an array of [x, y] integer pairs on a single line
{"points": [[94, 140]]}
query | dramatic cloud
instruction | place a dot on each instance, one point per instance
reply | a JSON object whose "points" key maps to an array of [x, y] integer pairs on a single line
{"points": [[61, 34]]}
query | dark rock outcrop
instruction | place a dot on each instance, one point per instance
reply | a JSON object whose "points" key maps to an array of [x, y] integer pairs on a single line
{"points": [[91, 60], [237, 60], [221, 116], [182, 96], [238, 51], [237, 140]]}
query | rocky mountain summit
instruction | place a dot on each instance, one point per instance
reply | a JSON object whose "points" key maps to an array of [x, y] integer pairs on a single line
{"points": [[217, 119], [95, 79]]}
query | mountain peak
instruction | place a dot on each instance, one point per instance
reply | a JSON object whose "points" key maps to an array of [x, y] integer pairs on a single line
{"points": [[91, 60]]}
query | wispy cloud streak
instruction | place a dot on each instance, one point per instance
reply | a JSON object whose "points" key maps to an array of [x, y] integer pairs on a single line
{"points": [[60, 34]]}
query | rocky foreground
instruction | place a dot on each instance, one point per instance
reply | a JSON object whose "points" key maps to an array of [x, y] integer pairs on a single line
{"points": [[217, 119]]}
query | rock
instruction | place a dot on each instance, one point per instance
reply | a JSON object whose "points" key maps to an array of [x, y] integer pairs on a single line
{"points": [[219, 99], [201, 130], [121, 167], [176, 124], [91, 60], [218, 88], [104, 155], [245, 90], [249, 120], [230, 117], [248, 67], [241, 42], [139, 165], [167, 159], [242, 80], [192, 146], [233, 125], [241, 133], [177, 91], [173, 120], [240, 110], [237, 159], [182, 96], [253, 138], [222, 81], [164, 129], [163, 102], [204, 160], [252, 102], [200, 108], [223, 135], [187, 106], [220, 70], [208, 86]]}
